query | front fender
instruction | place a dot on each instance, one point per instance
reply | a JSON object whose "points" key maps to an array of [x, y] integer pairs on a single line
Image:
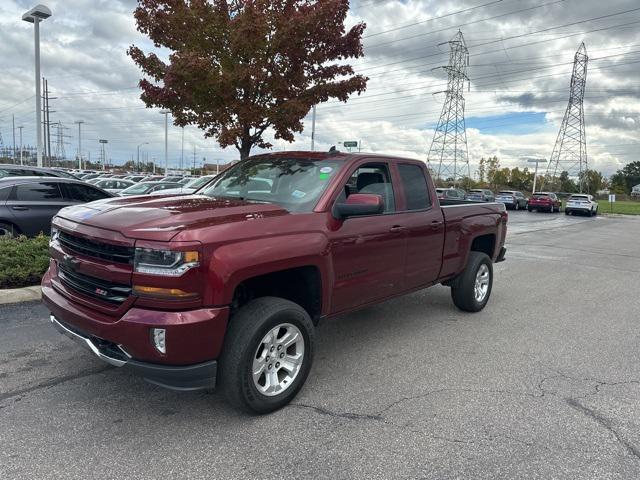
{"points": [[234, 263]]}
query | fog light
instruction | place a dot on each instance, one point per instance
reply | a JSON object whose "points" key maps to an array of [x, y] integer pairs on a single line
{"points": [[158, 335]]}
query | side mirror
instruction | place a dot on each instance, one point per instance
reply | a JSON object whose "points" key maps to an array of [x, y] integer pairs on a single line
{"points": [[359, 204]]}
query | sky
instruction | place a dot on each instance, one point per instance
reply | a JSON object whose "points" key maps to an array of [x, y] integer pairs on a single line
{"points": [[520, 62]]}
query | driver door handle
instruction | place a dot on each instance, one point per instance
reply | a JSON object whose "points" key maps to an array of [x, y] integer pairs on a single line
{"points": [[19, 208], [397, 229]]}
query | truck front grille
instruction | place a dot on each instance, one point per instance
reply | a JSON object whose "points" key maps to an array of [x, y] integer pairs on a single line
{"points": [[94, 287], [93, 248]]}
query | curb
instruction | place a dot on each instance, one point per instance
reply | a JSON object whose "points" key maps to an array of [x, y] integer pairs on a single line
{"points": [[17, 295]]}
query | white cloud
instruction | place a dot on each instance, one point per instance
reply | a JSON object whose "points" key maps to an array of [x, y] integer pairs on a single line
{"points": [[83, 55]]}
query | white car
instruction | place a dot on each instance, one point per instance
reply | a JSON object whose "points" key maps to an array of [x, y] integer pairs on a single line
{"points": [[113, 185], [190, 187], [581, 203]]}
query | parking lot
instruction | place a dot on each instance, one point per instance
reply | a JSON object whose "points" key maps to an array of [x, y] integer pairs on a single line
{"points": [[543, 383]]}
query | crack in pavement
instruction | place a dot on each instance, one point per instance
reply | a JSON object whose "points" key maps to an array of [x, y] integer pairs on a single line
{"points": [[52, 382], [606, 423], [347, 415]]}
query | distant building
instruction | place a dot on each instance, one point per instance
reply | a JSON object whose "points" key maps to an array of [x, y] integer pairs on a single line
{"points": [[212, 168], [635, 191]]}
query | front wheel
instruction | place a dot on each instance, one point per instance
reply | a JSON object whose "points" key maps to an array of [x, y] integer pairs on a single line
{"points": [[267, 354], [517, 206], [471, 290]]}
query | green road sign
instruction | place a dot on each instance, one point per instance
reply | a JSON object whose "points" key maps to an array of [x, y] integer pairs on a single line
{"points": [[351, 144]]}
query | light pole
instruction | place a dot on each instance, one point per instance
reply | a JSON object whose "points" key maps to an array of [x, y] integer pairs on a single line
{"points": [[535, 175], [20, 128], [138, 155], [166, 141], [313, 129], [35, 16], [103, 143], [79, 123]]}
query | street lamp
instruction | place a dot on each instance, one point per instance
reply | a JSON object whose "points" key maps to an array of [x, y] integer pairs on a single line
{"points": [[535, 175], [138, 156], [166, 140], [35, 16]]}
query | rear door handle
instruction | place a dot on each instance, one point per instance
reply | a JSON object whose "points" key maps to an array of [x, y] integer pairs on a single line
{"points": [[397, 229], [435, 225], [19, 208]]}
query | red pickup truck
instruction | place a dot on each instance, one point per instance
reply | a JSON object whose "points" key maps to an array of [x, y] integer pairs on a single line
{"points": [[225, 287]]}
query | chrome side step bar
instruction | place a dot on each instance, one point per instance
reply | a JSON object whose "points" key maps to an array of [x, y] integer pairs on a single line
{"points": [[87, 343]]}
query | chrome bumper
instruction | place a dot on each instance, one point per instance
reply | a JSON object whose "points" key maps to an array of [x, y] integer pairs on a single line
{"points": [[89, 344]]}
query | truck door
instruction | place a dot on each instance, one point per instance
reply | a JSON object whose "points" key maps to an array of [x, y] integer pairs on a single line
{"points": [[369, 251], [425, 227]]}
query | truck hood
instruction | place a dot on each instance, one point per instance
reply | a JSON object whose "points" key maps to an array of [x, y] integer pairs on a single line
{"points": [[161, 218]]}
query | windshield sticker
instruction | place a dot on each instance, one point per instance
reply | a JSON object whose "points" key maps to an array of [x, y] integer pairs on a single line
{"points": [[298, 194], [326, 170], [324, 176]]}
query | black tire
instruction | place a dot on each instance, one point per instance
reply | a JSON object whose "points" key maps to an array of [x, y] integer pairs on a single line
{"points": [[551, 209], [8, 229], [246, 329], [517, 206], [529, 209], [462, 288], [566, 212]]}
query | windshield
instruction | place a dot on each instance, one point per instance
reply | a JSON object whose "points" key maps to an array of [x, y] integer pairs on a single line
{"points": [[137, 188], [293, 183]]}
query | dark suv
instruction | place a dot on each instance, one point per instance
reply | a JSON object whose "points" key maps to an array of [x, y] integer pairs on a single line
{"points": [[8, 170], [27, 204]]}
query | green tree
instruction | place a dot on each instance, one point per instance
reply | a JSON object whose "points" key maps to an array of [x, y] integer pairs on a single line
{"points": [[482, 170], [567, 184], [626, 178], [592, 181], [493, 165], [238, 67]]}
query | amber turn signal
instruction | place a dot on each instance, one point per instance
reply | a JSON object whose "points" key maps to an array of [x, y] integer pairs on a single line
{"points": [[162, 292]]}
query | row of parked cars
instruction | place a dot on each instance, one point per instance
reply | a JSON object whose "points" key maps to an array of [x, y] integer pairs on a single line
{"points": [[30, 196], [515, 200]]}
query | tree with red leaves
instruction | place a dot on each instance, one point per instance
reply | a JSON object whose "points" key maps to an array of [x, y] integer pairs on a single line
{"points": [[239, 67]]}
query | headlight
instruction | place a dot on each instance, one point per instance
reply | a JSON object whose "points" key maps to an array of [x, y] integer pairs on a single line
{"points": [[54, 235], [165, 262]]}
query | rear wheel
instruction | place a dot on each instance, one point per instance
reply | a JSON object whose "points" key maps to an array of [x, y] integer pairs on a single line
{"points": [[267, 354], [8, 230], [471, 290], [551, 209], [529, 209], [517, 206]]}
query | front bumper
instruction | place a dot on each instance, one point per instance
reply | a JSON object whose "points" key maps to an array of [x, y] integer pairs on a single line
{"points": [[194, 338], [189, 377]]}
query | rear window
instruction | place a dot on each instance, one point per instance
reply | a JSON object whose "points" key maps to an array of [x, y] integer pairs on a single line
{"points": [[580, 198], [415, 187], [506, 193], [540, 195]]}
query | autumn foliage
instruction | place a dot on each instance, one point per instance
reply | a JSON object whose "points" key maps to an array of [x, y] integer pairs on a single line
{"points": [[237, 68]]}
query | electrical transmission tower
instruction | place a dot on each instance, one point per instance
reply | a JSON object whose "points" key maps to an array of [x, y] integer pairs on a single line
{"points": [[448, 157], [570, 151], [60, 153]]}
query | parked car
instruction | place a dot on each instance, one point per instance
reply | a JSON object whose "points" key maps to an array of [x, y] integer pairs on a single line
{"points": [[135, 178], [481, 195], [512, 199], [190, 187], [146, 188], [27, 204], [451, 193], [581, 203], [225, 287], [113, 185], [172, 178], [544, 201], [152, 178], [8, 170]]}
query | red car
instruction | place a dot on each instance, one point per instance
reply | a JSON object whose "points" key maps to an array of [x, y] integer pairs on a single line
{"points": [[226, 286], [544, 201]]}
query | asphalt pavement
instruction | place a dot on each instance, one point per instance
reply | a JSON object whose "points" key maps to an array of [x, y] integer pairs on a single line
{"points": [[544, 383]]}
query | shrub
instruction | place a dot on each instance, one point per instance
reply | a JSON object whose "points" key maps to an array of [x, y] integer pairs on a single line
{"points": [[23, 260]]}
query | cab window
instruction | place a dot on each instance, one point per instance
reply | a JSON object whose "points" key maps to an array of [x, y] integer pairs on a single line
{"points": [[371, 178]]}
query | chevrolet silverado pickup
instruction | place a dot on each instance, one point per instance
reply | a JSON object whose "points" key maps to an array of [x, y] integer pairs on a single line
{"points": [[225, 287]]}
